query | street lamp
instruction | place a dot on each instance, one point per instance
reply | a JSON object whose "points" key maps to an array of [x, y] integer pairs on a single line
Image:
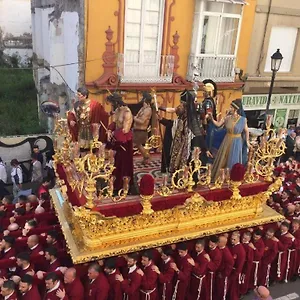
{"points": [[276, 60]]}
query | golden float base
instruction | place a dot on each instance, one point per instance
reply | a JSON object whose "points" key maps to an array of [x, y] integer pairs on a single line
{"points": [[91, 236]]}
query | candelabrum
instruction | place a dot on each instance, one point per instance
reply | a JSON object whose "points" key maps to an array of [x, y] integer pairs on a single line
{"points": [[153, 142], [108, 191], [251, 176], [271, 147], [185, 178], [164, 190], [219, 181]]}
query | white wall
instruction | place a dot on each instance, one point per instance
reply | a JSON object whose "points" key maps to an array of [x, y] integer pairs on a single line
{"points": [[56, 42]]}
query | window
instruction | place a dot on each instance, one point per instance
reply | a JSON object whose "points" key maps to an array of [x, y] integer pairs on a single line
{"points": [[143, 39], [283, 38], [215, 38]]}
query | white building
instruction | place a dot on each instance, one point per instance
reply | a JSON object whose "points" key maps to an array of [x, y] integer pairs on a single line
{"points": [[58, 48]]}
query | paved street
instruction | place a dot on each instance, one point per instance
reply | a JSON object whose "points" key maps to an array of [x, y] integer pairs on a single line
{"points": [[285, 291]]}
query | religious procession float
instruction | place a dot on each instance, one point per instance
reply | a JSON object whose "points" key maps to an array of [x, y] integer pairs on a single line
{"points": [[123, 188]]}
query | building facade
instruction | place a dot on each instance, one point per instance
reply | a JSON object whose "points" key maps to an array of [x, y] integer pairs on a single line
{"points": [[167, 45], [135, 45], [276, 26]]}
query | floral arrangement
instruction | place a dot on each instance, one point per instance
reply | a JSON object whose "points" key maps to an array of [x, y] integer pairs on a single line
{"points": [[147, 185], [237, 172]]}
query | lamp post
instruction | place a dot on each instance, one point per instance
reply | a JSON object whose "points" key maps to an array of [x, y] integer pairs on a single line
{"points": [[276, 60]]}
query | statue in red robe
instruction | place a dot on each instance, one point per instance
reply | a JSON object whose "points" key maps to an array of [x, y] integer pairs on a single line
{"points": [[81, 120], [120, 139]]}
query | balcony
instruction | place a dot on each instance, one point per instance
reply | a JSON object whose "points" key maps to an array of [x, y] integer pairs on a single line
{"points": [[218, 68], [132, 70]]}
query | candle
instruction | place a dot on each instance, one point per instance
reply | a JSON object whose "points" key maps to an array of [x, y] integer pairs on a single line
{"points": [[196, 153], [186, 172], [209, 170], [155, 102], [101, 152], [165, 180], [222, 175], [126, 180], [111, 182], [268, 122], [111, 156], [227, 174]]}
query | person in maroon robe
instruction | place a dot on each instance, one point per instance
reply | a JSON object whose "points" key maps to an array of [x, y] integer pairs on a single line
{"points": [[270, 253], [27, 290], [115, 290], [55, 288], [52, 260], [73, 286], [214, 258], [98, 287], [246, 273], [6, 246], [239, 256], [284, 243], [148, 289], [52, 239], [87, 113], [258, 247], [8, 290], [7, 252], [183, 272], [23, 266], [198, 279], [224, 271], [165, 275], [34, 247], [293, 263], [120, 139], [132, 282]]}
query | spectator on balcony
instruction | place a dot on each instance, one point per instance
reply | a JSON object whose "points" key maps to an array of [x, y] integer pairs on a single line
{"points": [[27, 289]]}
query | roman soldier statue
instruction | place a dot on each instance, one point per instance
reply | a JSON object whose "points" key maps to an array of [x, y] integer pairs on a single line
{"points": [[82, 119], [214, 135]]}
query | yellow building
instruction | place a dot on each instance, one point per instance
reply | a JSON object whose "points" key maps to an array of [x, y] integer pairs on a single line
{"points": [[136, 45]]}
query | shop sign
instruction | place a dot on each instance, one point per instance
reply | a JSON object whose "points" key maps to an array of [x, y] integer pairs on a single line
{"points": [[255, 101]]}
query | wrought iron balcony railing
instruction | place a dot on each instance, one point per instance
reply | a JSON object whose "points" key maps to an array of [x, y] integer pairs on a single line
{"points": [[218, 68], [150, 70]]}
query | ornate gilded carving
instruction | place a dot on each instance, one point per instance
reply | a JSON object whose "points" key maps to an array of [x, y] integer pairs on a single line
{"points": [[98, 236], [271, 146]]}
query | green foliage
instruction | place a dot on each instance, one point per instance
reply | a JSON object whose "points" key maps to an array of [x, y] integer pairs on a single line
{"points": [[18, 103]]}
